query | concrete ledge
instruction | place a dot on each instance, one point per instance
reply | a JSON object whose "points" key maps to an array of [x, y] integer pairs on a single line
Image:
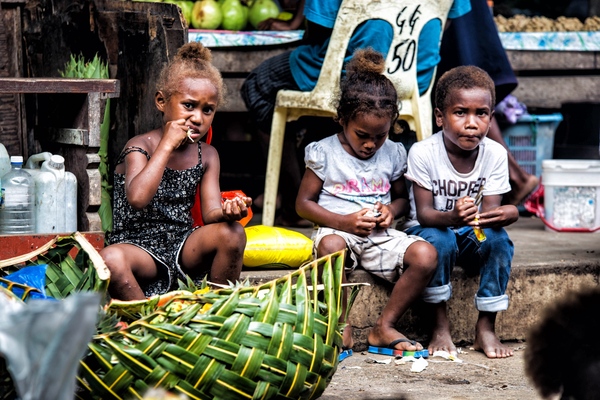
{"points": [[546, 265], [529, 290]]}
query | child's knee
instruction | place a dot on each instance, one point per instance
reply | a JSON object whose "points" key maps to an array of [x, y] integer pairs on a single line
{"points": [[232, 235], [330, 244], [422, 255], [114, 258]]}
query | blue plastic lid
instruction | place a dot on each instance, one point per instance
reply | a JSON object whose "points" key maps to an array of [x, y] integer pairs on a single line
{"points": [[555, 117]]}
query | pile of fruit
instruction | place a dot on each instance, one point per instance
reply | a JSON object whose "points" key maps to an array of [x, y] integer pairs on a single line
{"points": [[522, 23], [234, 15]]}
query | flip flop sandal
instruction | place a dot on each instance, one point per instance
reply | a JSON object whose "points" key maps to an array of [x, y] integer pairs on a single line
{"points": [[345, 353], [390, 350]]}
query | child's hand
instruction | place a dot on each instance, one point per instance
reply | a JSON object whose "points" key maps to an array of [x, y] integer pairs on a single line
{"points": [[236, 208], [465, 211], [383, 215], [499, 216], [176, 134], [360, 223]]}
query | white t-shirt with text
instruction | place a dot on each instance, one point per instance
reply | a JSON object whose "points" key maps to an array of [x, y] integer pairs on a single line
{"points": [[430, 168]]}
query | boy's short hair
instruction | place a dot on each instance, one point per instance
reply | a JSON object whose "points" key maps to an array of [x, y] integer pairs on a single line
{"points": [[463, 77]]}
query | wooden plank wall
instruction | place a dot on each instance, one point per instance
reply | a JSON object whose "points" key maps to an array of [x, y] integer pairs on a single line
{"points": [[12, 132], [40, 36]]}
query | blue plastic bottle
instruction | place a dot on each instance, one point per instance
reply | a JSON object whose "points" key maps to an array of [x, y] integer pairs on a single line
{"points": [[17, 216]]}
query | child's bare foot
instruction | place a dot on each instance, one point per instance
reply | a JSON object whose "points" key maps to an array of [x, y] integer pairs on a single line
{"points": [[486, 339], [488, 343], [441, 340], [390, 338], [347, 339]]}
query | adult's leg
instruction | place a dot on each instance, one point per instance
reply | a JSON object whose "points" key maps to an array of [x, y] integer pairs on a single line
{"points": [[522, 183], [420, 261], [439, 290], [259, 93], [128, 264], [217, 249]]}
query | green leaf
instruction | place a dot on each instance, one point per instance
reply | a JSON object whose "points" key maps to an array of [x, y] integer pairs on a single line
{"points": [[136, 361]]}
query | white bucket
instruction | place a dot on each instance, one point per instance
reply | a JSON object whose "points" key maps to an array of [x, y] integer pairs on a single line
{"points": [[55, 194], [572, 194]]}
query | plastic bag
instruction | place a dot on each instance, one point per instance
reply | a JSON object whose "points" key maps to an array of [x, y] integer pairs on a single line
{"points": [[197, 208], [42, 342], [33, 276], [510, 109], [274, 247]]}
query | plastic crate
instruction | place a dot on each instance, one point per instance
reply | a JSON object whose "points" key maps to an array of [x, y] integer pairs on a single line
{"points": [[531, 140]]}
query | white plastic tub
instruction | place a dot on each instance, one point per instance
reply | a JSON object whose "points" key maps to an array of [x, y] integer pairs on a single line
{"points": [[571, 195]]}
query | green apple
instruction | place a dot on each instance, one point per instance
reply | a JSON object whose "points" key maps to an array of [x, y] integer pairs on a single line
{"points": [[235, 15], [206, 14], [261, 10]]}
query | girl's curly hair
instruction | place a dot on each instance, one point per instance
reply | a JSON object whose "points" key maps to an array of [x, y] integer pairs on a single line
{"points": [[365, 90], [192, 60]]}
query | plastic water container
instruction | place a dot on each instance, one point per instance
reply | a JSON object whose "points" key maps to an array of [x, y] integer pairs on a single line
{"points": [[4, 168], [4, 161], [18, 214], [55, 194]]}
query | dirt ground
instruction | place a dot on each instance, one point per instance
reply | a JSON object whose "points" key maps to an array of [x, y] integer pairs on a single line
{"points": [[477, 377]]}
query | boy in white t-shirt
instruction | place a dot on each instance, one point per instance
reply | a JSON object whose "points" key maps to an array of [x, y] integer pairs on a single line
{"points": [[447, 171]]}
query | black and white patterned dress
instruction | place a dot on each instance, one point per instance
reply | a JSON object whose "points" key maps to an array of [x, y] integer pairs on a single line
{"points": [[163, 225]]}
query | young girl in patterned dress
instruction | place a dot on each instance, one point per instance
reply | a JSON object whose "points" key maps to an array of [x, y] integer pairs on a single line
{"points": [[156, 177]]}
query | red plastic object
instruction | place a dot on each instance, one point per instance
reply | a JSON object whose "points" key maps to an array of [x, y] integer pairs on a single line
{"points": [[535, 205], [17, 245], [197, 209]]}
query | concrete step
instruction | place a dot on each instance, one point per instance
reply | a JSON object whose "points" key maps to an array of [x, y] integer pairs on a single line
{"points": [[546, 265]]}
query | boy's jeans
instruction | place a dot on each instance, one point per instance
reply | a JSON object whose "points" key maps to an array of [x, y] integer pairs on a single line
{"points": [[492, 258]]}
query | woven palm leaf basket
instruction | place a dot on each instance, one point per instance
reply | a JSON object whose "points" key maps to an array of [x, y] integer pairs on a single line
{"points": [[279, 340], [73, 265]]}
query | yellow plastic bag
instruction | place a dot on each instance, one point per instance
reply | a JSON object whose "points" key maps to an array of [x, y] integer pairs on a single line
{"points": [[274, 247]]}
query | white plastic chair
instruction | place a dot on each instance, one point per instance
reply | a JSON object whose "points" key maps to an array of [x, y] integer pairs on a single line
{"points": [[407, 17]]}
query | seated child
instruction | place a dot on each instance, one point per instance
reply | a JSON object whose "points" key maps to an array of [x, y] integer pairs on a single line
{"points": [[156, 177], [353, 189], [447, 171]]}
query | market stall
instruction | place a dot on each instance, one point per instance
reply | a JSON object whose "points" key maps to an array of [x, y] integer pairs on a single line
{"points": [[552, 67]]}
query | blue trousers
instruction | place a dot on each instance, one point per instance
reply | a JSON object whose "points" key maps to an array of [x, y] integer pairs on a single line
{"points": [[491, 258]]}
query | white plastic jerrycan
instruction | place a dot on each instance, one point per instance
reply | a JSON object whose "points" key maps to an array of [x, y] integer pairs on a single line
{"points": [[55, 194], [4, 161]]}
